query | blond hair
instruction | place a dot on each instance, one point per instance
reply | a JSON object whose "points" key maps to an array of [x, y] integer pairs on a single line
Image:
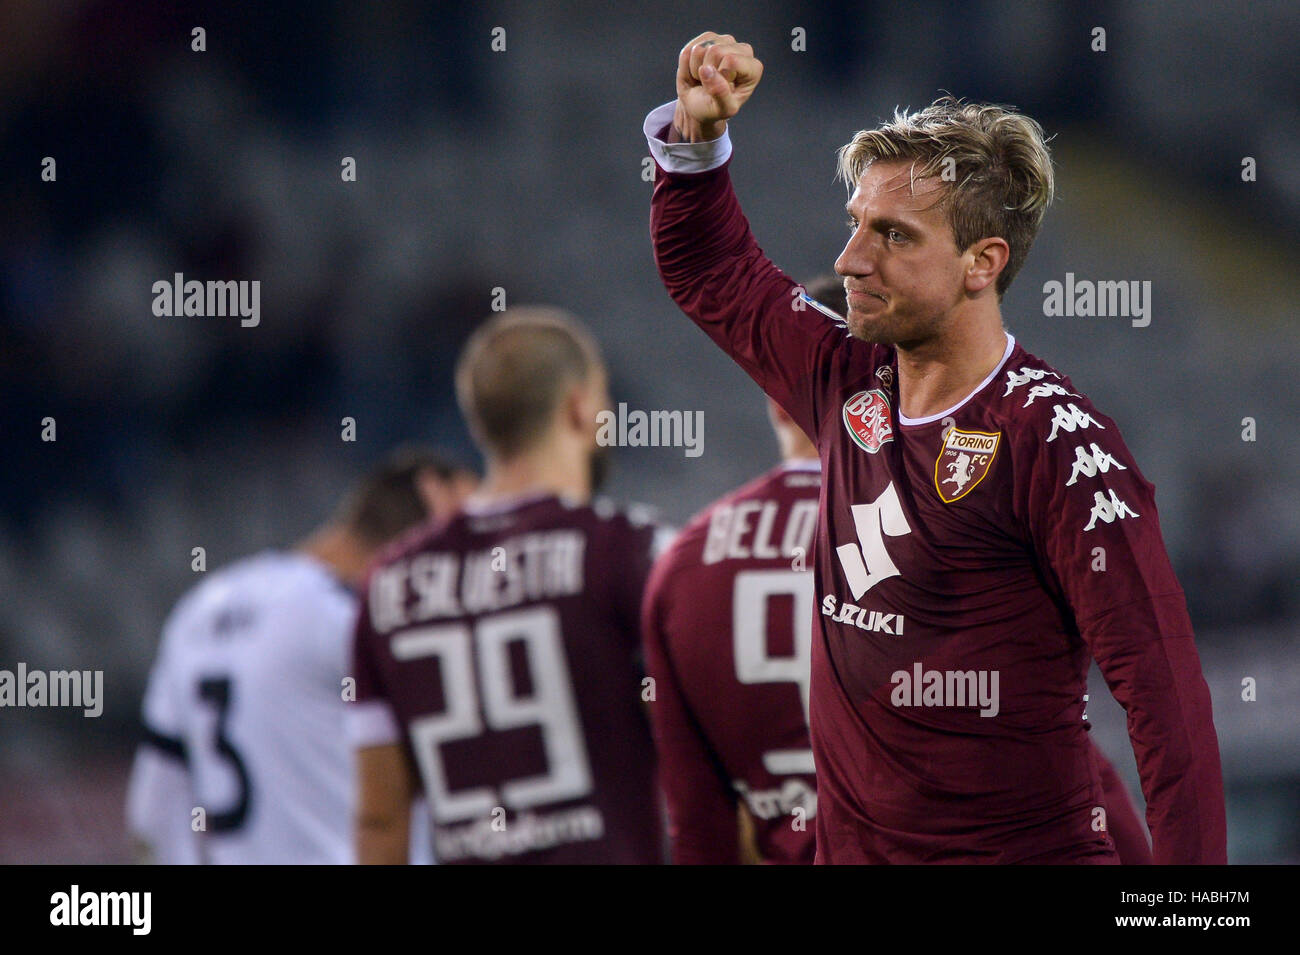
{"points": [[515, 369], [994, 160]]}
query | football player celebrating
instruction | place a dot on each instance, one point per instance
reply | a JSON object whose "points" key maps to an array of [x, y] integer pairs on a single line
{"points": [[497, 657], [727, 624], [244, 759], [983, 529]]}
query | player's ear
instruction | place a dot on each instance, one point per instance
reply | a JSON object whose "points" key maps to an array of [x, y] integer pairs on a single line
{"points": [[579, 407], [985, 261], [590, 398]]}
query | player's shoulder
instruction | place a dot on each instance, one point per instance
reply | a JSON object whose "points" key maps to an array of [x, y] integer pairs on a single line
{"points": [[633, 526], [234, 579], [1035, 401], [268, 577], [633, 517]]}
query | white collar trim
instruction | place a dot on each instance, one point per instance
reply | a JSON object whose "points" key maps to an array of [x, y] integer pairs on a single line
{"points": [[486, 507], [904, 419], [802, 464]]}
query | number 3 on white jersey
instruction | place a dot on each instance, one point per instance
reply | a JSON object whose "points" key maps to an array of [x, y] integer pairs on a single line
{"points": [[550, 706]]}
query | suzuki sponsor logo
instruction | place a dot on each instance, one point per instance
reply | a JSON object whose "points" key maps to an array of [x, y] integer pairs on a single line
{"points": [[867, 563], [862, 618]]}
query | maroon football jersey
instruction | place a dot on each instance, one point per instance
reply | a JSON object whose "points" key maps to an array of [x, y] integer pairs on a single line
{"points": [[505, 645], [967, 565], [1121, 818], [727, 625]]}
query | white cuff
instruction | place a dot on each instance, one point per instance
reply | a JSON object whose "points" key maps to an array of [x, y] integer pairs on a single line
{"points": [[371, 723], [683, 157]]}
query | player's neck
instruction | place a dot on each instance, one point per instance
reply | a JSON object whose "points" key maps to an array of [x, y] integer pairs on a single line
{"points": [[338, 550], [796, 447], [940, 373], [545, 470]]}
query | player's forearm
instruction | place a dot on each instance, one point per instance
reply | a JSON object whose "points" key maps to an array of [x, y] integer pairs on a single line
{"points": [[717, 274], [701, 237], [1122, 822], [383, 841], [1172, 730]]}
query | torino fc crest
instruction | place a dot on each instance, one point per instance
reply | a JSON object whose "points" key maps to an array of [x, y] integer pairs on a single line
{"points": [[866, 415], [963, 461]]}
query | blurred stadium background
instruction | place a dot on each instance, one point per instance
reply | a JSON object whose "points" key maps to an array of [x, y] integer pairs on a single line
{"points": [[522, 169]]}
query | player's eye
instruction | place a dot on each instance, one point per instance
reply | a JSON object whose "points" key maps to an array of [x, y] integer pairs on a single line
{"points": [[895, 236], [851, 224]]}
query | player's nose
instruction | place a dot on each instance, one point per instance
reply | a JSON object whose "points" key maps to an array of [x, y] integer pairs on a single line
{"points": [[855, 259]]}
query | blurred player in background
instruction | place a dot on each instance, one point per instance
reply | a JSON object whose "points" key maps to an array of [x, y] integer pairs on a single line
{"points": [[983, 529], [244, 710], [497, 656], [727, 624]]}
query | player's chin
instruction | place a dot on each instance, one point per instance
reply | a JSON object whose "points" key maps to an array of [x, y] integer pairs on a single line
{"points": [[873, 329]]}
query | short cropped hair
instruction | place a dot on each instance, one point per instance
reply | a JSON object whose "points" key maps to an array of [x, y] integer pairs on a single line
{"points": [[386, 501], [514, 371], [994, 160]]}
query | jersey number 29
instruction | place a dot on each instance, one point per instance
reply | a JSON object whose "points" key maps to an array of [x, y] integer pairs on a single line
{"points": [[490, 702]]}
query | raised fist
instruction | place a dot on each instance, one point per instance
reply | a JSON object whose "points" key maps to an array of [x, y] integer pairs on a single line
{"points": [[715, 76]]}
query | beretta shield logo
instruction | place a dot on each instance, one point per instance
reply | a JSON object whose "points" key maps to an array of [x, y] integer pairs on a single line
{"points": [[866, 415]]}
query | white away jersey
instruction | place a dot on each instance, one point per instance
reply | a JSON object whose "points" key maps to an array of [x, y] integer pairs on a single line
{"points": [[248, 691]]}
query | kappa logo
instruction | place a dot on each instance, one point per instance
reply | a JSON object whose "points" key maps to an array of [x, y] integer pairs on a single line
{"points": [[1108, 510], [1070, 417], [1046, 390], [866, 415], [1090, 465], [1024, 376], [965, 458]]}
